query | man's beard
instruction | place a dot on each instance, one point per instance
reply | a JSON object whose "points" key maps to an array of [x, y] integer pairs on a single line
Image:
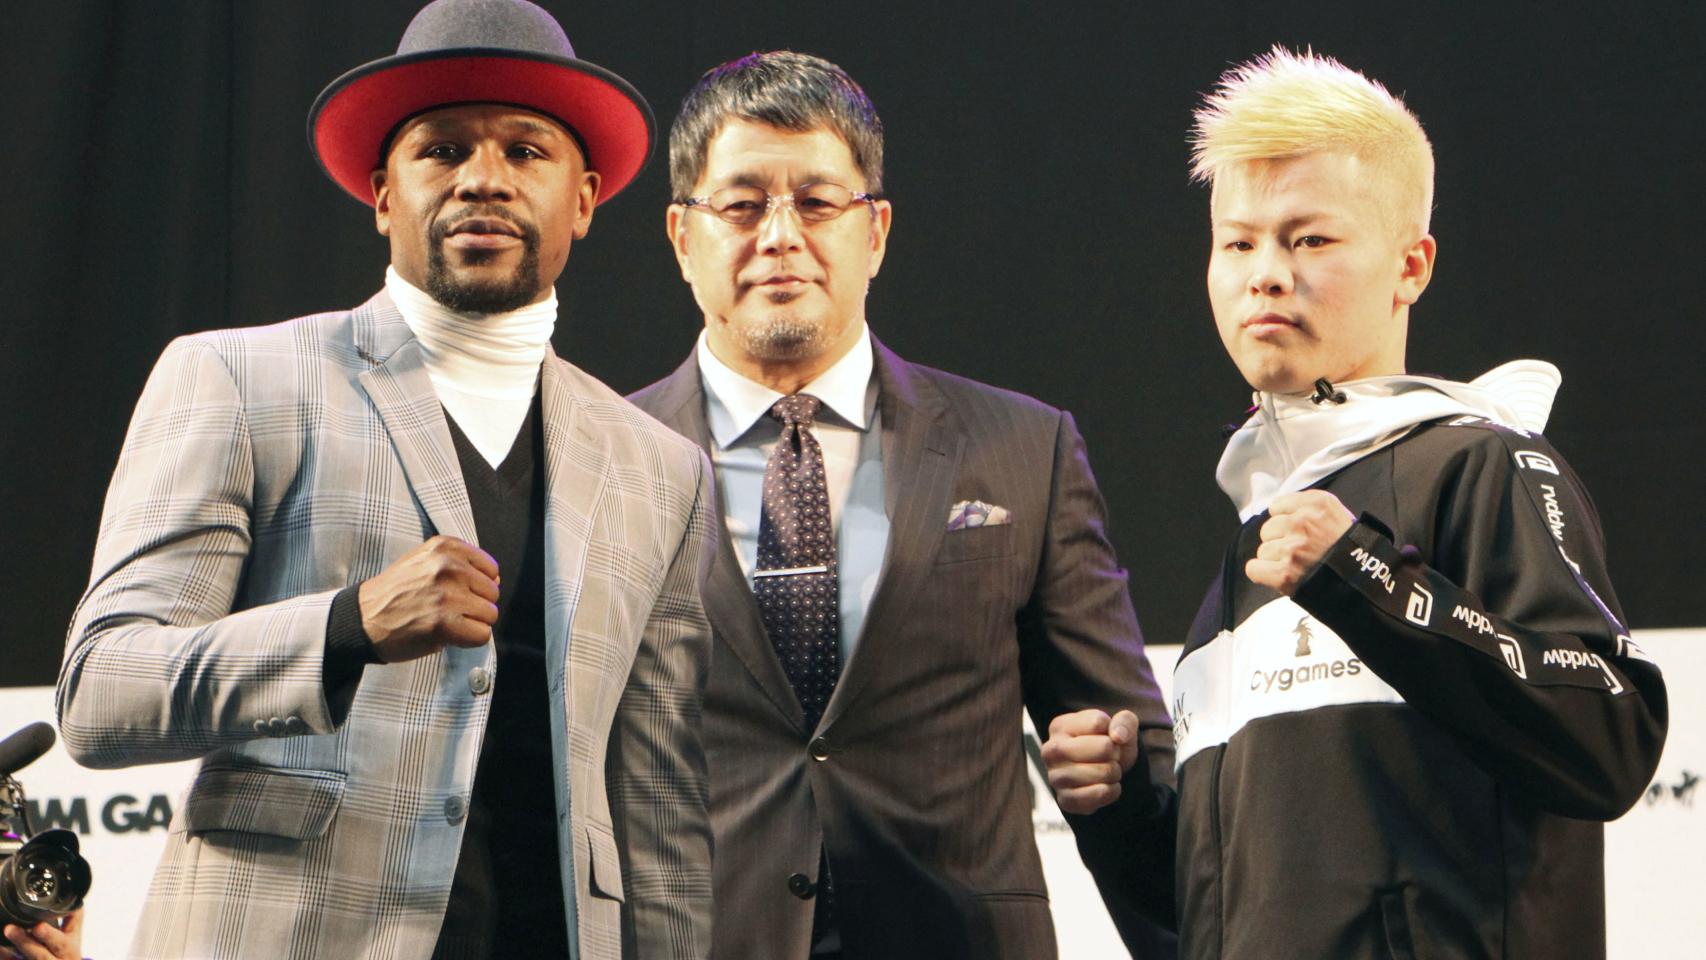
{"points": [[782, 338], [495, 296], [783, 335]]}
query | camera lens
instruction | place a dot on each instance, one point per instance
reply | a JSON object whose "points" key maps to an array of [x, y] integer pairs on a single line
{"points": [[41, 883], [45, 879]]}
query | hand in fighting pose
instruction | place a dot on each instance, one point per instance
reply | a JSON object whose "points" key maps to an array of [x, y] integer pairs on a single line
{"points": [[441, 593], [1089, 752], [1300, 529], [1087, 755]]}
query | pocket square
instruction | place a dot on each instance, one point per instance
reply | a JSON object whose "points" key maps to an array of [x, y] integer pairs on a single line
{"points": [[976, 513]]}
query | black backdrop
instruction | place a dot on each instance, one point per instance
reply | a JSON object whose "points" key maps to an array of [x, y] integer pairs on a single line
{"points": [[1045, 237]]}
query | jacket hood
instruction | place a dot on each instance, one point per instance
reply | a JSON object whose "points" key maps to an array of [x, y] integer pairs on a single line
{"points": [[1291, 442]]}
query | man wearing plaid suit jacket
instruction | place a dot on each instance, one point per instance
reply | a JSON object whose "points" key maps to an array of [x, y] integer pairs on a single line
{"points": [[412, 745]]}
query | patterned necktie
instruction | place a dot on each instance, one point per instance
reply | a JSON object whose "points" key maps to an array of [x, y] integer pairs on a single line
{"points": [[795, 579]]}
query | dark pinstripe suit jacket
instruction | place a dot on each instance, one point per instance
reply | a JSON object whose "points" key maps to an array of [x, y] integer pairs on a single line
{"points": [[265, 469], [921, 793]]}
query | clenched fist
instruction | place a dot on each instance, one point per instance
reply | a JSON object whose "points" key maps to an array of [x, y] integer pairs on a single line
{"points": [[1300, 529], [1087, 755], [442, 593]]}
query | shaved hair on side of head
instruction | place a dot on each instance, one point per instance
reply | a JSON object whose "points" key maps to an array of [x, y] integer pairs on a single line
{"points": [[1283, 105]]}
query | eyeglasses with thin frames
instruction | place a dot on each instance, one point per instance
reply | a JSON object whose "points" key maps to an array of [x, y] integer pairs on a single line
{"points": [[745, 206]]}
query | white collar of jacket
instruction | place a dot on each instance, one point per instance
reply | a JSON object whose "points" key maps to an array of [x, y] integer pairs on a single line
{"points": [[1291, 442]]}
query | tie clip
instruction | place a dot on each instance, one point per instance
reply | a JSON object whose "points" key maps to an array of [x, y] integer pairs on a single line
{"points": [[791, 571]]}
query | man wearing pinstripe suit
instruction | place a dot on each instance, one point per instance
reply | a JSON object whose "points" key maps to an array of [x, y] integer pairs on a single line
{"points": [[423, 598], [970, 576]]}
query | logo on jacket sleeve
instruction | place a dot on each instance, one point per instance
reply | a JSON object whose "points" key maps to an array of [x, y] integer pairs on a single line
{"points": [[1420, 608], [1535, 460], [1627, 647], [1377, 569], [1554, 511], [1568, 659], [1467, 421], [1513, 655]]}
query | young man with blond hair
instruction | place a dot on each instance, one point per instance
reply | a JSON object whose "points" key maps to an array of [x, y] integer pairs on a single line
{"points": [[1410, 692]]}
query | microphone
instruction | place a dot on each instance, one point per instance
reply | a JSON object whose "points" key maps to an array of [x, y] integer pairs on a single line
{"points": [[25, 747], [1325, 392]]}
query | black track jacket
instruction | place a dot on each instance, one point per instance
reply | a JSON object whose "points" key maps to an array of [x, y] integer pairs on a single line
{"points": [[1410, 757]]}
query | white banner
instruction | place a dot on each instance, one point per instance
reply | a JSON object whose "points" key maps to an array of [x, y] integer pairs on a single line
{"points": [[1655, 857], [1654, 864]]}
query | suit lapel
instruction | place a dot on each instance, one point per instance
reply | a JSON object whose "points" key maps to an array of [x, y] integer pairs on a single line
{"points": [[403, 394], [922, 446], [729, 604], [577, 467]]}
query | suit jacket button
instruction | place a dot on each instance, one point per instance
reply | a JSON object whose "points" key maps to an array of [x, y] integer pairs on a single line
{"points": [[261, 728], [480, 681], [276, 726], [800, 886], [294, 726], [455, 808], [819, 749]]}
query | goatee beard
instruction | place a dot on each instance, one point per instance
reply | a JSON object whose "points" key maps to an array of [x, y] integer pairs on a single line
{"points": [[495, 296], [784, 337]]}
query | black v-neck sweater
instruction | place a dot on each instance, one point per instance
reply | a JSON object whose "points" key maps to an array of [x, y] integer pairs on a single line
{"points": [[507, 896]]}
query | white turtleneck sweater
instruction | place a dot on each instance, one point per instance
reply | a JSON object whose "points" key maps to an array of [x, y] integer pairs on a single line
{"points": [[484, 366], [1291, 442]]}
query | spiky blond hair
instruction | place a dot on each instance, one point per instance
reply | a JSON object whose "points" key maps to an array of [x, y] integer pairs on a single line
{"points": [[1284, 104]]}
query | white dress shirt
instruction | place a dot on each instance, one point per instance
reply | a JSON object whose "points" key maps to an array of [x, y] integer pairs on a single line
{"points": [[849, 431]]}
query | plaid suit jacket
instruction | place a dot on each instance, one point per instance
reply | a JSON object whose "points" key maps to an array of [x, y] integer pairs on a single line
{"points": [[264, 470]]}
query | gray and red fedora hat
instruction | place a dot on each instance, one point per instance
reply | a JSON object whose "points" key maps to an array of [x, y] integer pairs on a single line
{"points": [[480, 51]]}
